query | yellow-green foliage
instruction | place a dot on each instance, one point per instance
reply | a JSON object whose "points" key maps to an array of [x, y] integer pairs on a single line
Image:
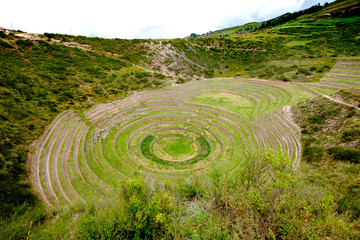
{"points": [[263, 200], [39, 79], [330, 133]]}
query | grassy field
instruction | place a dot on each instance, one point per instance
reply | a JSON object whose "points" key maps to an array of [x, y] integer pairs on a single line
{"points": [[179, 131], [175, 148], [151, 145], [171, 133]]}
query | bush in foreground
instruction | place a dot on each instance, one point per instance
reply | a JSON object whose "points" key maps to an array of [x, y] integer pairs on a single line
{"points": [[262, 200]]}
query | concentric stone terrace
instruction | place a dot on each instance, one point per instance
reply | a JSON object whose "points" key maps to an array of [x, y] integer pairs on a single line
{"points": [[345, 74], [171, 133]]}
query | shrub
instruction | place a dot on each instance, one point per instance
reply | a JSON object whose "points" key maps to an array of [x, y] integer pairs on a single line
{"points": [[24, 43], [350, 134], [265, 73], [344, 154], [263, 199], [159, 76], [5, 44], [180, 80], [140, 215], [50, 35], [350, 204], [312, 154], [2, 34], [351, 113], [283, 78], [209, 73], [304, 71]]}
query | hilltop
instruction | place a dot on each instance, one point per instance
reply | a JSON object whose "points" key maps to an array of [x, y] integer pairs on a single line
{"points": [[106, 137], [316, 16]]}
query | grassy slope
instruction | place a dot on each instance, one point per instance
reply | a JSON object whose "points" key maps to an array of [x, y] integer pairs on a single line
{"points": [[262, 201], [298, 50], [333, 12], [305, 46], [331, 147], [243, 29], [263, 56], [39, 79]]}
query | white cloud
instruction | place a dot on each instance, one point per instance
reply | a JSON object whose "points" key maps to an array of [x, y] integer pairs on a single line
{"points": [[140, 18]]}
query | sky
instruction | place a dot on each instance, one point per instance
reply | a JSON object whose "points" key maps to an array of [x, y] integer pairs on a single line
{"points": [[140, 18]]}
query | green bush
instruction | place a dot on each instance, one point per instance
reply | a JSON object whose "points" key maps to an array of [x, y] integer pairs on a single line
{"points": [[263, 199], [312, 154], [283, 78], [24, 43], [50, 35], [209, 73], [304, 71], [350, 134], [344, 154], [159, 76], [2, 34], [324, 113], [180, 80], [139, 215], [5, 44], [350, 205], [266, 73]]}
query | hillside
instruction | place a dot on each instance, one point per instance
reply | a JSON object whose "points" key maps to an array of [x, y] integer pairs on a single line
{"points": [[331, 146], [41, 78], [316, 16], [113, 138]]}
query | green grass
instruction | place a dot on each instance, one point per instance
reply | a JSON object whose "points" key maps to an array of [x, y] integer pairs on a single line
{"points": [[179, 150], [321, 90], [331, 148], [211, 125], [211, 207], [175, 147], [227, 101], [297, 43]]}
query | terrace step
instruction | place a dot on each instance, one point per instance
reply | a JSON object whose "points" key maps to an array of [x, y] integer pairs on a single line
{"points": [[78, 161]]}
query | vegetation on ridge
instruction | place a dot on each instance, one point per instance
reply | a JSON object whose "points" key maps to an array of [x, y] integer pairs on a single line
{"points": [[331, 148]]}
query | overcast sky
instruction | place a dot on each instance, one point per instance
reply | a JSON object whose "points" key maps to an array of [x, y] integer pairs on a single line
{"points": [[140, 18]]}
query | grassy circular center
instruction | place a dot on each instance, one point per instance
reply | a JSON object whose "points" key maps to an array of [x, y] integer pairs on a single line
{"points": [[175, 148]]}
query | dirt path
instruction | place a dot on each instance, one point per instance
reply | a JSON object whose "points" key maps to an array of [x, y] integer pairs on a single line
{"points": [[341, 102]]}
